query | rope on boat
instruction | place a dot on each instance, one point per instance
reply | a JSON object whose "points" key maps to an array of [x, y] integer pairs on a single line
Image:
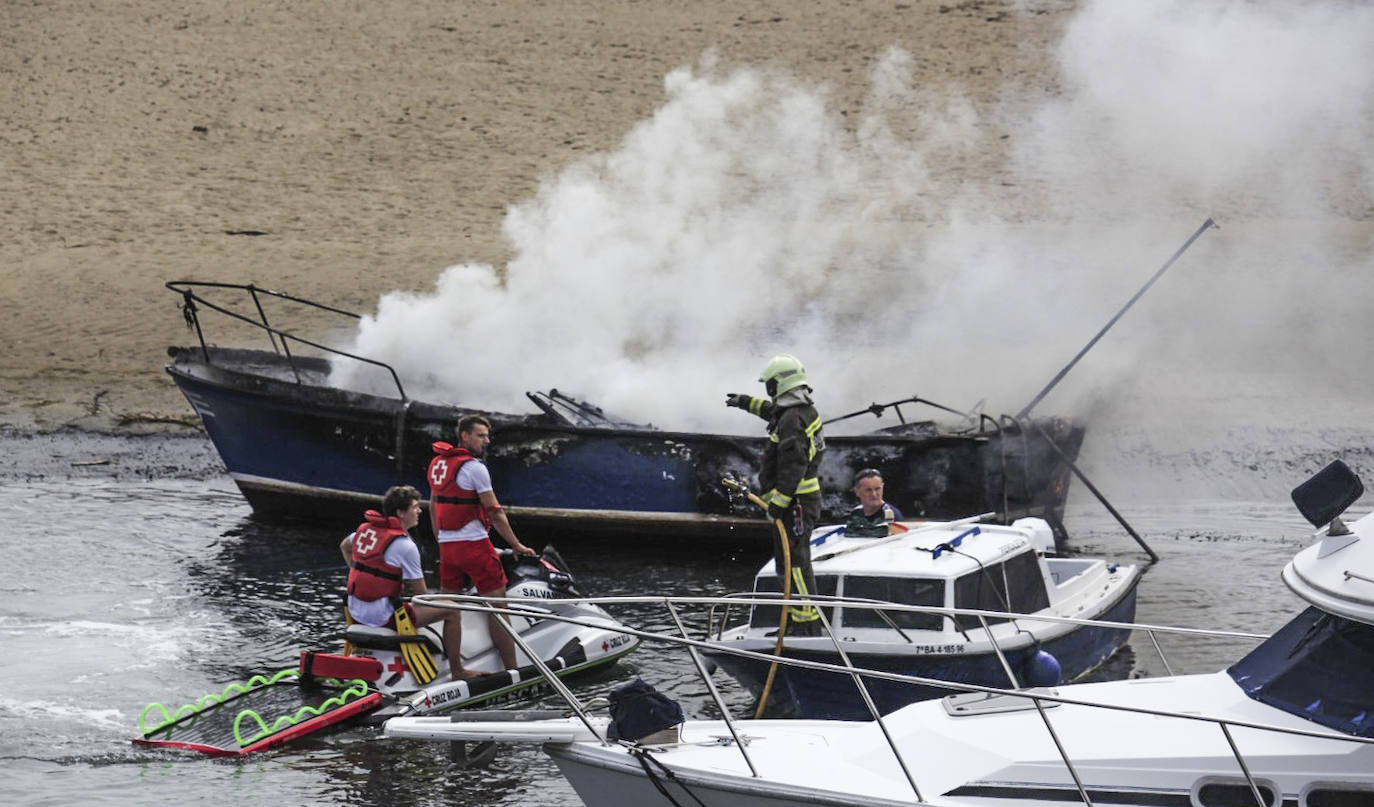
{"points": [[644, 758]]}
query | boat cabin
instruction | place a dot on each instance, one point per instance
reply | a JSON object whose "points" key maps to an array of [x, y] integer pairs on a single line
{"points": [[984, 567]]}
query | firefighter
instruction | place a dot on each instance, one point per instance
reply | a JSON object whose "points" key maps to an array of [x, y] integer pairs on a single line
{"points": [[788, 473]]}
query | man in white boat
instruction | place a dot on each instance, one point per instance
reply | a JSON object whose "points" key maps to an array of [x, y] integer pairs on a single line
{"points": [[788, 472], [463, 509], [383, 560], [873, 516]]}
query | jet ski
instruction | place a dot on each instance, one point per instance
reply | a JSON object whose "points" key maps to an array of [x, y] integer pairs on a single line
{"points": [[535, 587], [375, 677]]}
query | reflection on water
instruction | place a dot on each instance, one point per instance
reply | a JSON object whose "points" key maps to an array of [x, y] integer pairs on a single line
{"points": [[143, 591]]}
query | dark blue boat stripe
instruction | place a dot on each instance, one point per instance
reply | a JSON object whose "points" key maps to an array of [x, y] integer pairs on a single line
{"points": [[1098, 795]]}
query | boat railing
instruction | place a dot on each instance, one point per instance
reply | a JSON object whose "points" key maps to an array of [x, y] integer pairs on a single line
{"points": [[1039, 698], [193, 302], [720, 611]]}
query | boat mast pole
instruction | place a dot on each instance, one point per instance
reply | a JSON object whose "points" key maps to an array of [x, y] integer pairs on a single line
{"points": [[1120, 519], [1055, 381]]}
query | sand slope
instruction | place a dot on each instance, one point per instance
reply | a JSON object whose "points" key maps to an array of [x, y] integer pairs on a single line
{"points": [[372, 144]]}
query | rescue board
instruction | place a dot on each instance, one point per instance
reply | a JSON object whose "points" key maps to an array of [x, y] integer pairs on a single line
{"points": [[262, 713]]}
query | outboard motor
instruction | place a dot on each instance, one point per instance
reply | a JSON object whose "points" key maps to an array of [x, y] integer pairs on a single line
{"points": [[1042, 537]]}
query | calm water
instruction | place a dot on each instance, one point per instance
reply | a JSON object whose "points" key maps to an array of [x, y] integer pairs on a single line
{"points": [[128, 591]]}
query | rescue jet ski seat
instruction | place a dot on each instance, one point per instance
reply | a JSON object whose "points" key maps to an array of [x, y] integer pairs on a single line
{"points": [[360, 635]]}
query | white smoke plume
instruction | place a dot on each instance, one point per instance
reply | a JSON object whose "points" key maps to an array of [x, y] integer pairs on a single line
{"points": [[748, 217]]}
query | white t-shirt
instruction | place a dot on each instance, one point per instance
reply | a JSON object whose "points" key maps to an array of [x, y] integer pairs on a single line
{"points": [[472, 476], [403, 553]]}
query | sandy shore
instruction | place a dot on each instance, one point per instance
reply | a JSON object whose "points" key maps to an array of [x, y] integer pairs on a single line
{"points": [[371, 145]]}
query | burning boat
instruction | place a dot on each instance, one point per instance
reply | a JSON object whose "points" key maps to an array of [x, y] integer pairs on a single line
{"points": [[298, 447]]}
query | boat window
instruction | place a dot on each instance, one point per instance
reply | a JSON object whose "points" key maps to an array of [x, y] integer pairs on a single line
{"points": [[903, 590], [1232, 793], [1016, 585], [985, 590], [1026, 583], [767, 616], [1316, 667], [1338, 795]]}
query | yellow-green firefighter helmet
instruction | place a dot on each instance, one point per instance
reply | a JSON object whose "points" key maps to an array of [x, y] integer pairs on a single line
{"points": [[782, 373]]}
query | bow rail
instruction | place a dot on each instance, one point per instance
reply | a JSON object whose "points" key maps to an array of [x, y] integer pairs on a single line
{"points": [[191, 304]]}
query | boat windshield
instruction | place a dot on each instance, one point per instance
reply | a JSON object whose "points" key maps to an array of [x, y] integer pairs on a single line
{"points": [[1316, 667], [1016, 585], [902, 590]]}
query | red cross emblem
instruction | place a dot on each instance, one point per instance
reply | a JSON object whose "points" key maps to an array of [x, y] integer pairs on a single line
{"points": [[605, 646], [398, 665]]}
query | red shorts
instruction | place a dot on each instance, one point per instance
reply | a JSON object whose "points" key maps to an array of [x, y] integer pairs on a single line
{"points": [[461, 561]]}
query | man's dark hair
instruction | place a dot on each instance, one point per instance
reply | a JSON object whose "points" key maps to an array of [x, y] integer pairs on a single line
{"points": [[867, 473], [468, 422], [399, 498]]}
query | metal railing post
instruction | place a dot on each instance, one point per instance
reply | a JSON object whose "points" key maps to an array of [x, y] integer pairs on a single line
{"points": [[563, 691], [711, 687], [253, 292], [1155, 640], [1063, 754], [868, 699], [996, 648], [1245, 769]]}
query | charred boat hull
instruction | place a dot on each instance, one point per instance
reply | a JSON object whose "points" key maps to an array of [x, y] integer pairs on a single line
{"points": [[298, 448]]}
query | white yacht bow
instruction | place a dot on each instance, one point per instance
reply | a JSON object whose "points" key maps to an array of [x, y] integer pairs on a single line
{"points": [[1289, 725]]}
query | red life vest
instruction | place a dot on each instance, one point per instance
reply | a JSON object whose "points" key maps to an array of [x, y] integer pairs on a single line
{"points": [[372, 578], [453, 506]]}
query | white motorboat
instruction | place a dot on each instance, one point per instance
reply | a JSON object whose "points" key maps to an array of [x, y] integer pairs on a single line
{"points": [[1289, 725], [956, 564]]}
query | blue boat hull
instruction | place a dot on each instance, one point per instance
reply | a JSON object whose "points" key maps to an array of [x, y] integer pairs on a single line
{"points": [[298, 448], [823, 695]]}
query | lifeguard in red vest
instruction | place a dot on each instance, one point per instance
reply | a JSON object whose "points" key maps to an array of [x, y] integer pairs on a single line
{"points": [[384, 562], [463, 508]]}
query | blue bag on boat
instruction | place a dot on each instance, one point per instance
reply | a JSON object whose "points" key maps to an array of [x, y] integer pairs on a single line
{"points": [[638, 710]]}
